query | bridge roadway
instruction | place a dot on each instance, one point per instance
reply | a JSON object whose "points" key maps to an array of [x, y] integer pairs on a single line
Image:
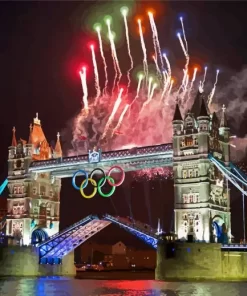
{"points": [[129, 159]]}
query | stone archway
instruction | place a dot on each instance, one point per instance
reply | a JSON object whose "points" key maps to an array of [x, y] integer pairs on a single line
{"points": [[39, 235], [219, 229]]}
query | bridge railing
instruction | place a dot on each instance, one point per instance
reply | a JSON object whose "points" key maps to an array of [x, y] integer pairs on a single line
{"points": [[83, 221], [105, 156], [142, 227]]}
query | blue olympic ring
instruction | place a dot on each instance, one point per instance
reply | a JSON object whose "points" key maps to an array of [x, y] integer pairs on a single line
{"points": [[75, 175]]}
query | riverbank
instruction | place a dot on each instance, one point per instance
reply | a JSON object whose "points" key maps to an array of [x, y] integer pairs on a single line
{"points": [[116, 275]]}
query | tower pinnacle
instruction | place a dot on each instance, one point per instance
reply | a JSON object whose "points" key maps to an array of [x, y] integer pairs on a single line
{"points": [[223, 121], [36, 120], [30, 140], [14, 142], [58, 148]]}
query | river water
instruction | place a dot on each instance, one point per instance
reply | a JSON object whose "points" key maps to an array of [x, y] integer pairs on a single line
{"points": [[54, 286]]}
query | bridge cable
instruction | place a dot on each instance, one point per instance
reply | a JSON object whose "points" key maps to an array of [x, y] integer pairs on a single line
{"points": [[233, 181]]}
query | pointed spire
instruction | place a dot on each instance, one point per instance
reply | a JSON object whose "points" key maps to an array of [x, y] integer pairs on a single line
{"points": [[177, 114], [223, 121], [203, 110], [36, 119], [14, 142], [30, 139], [58, 148]]}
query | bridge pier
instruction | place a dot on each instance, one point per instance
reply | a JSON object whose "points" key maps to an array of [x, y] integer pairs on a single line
{"points": [[199, 261], [24, 261]]}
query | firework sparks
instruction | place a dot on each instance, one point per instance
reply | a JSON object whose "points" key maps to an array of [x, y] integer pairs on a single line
{"points": [[124, 12], [96, 74], [98, 30], [210, 98], [145, 63], [99, 120]]}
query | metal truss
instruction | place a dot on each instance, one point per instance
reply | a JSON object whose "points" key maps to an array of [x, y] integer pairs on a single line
{"points": [[64, 244], [229, 176], [55, 240], [136, 228]]}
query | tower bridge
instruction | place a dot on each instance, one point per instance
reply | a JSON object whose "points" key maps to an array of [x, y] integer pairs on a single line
{"points": [[199, 155]]}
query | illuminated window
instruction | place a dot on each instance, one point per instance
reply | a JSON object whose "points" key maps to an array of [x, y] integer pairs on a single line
{"points": [[34, 190], [196, 173], [184, 174], [190, 198], [188, 141], [190, 173], [185, 199]]}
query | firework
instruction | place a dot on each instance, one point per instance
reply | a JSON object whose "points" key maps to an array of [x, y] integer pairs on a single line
{"points": [[124, 11], [114, 54], [210, 97], [145, 63], [98, 29], [84, 88], [149, 120], [96, 74]]}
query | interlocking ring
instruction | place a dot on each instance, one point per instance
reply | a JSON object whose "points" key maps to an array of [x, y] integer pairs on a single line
{"points": [[108, 178], [100, 170], [86, 180], [101, 183], [122, 178], [93, 182]]}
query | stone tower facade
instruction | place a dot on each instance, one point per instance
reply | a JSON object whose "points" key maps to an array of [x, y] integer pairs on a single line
{"points": [[202, 201], [34, 200]]}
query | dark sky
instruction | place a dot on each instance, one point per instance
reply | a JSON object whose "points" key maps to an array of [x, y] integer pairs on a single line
{"points": [[42, 45]]}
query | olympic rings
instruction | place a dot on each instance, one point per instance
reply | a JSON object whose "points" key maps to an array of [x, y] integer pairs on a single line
{"points": [[121, 180], [93, 182], [75, 175], [100, 184], [108, 178], [100, 170]]}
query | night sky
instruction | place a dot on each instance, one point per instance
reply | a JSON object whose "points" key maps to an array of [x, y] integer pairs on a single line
{"points": [[43, 45]]}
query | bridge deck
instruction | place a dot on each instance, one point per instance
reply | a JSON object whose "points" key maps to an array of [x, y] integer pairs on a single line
{"points": [[129, 159]]}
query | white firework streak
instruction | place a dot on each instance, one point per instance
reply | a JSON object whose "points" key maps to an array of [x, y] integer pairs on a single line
{"points": [[166, 86], [154, 29], [185, 54], [115, 108], [204, 77], [104, 60], [169, 92], [149, 85], [168, 65], [156, 65], [84, 88], [145, 64], [129, 52], [96, 75], [210, 97], [185, 40], [138, 88], [152, 91], [121, 118], [114, 53], [183, 81], [192, 82], [185, 87]]}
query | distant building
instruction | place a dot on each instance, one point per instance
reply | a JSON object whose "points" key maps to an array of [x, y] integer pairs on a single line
{"points": [[119, 249]]}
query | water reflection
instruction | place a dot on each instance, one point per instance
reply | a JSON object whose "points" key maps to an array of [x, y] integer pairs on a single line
{"points": [[51, 286]]}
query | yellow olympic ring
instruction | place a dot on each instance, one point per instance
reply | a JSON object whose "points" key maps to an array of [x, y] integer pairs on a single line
{"points": [[93, 182]]}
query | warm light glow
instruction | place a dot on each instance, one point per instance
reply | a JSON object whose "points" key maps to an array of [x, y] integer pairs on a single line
{"points": [[124, 10]]}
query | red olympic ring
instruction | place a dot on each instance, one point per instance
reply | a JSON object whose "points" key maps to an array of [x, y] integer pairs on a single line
{"points": [[122, 178]]}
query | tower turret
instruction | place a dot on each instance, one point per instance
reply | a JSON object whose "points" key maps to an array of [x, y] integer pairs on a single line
{"points": [[203, 122], [224, 135], [12, 148], [177, 123], [58, 149]]}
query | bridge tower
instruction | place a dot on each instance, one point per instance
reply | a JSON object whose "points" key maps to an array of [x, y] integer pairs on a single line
{"points": [[201, 201], [34, 200]]}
